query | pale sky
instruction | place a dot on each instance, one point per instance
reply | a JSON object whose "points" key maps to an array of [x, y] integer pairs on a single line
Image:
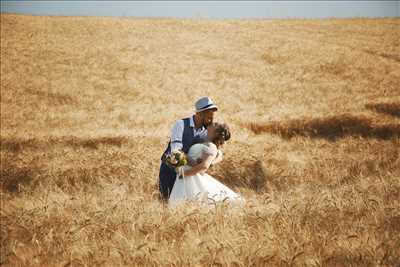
{"points": [[208, 9]]}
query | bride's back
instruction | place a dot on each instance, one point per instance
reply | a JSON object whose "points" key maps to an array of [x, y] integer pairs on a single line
{"points": [[196, 151]]}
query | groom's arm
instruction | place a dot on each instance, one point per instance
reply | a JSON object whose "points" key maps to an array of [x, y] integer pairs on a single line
{"points": [[177, 135]]}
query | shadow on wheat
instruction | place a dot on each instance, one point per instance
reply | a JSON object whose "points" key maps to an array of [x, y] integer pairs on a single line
{"points": [[330, 128], [392, 109]]}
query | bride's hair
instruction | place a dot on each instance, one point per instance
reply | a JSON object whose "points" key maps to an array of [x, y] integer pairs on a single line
{"points": [[222, 133]]}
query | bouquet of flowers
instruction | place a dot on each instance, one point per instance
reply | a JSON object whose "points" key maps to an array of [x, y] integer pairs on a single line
{"points": [[176, 159]]}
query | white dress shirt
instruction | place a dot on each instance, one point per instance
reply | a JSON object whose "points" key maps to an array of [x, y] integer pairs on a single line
{"points": [[177, 133]]}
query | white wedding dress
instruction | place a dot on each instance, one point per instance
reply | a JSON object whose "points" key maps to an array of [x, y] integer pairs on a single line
{"points": [[201, 187]]}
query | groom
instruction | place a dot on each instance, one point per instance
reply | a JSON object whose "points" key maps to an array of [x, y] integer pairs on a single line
{"points": [[184, 134]]}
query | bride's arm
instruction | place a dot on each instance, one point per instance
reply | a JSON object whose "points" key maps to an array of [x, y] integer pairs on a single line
{"points": [[202, 166], [190, 161], [218, 157]]}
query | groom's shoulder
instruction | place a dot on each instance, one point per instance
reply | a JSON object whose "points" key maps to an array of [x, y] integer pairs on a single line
{"points": [[186, 118], [179, 123], [182, 121]]}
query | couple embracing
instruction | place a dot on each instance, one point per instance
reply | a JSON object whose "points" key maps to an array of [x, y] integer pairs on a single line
{"points": [[201, 140]]}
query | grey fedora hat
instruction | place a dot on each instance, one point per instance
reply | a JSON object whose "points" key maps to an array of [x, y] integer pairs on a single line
{"points": [[204, 103]]}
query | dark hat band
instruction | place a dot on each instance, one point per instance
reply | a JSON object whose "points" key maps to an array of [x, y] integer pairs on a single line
{"points": [[209, 105]]}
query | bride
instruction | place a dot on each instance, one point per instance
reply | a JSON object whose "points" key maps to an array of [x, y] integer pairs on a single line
{"points": [[193, 183]]}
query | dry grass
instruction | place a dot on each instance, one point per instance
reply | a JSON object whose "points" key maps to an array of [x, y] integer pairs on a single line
{"points": [[86, 106], [331, 128], [392, 109]]}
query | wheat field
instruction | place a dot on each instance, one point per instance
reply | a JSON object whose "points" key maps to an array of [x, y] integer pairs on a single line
{"points": [[87, 104]]}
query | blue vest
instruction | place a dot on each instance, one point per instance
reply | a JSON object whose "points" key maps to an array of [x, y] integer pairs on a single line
{"points": [[188, 138]]}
